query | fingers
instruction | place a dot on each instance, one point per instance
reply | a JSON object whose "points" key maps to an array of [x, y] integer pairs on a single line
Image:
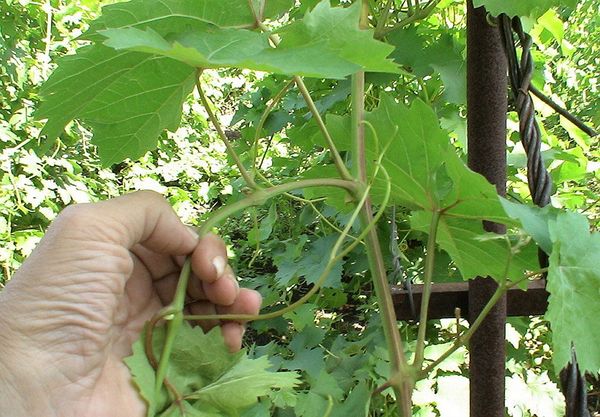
{"points": [[158, 265], [223, 291], [209, 259], [141, 217], [204, 308], [232, 335], [215, 288], [247, 302], [213, 277]]}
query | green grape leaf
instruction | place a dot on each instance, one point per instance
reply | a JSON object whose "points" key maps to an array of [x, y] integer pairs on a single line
{"points": [[265, 228], [427, 175], [425, 171], [163, 16], [185, 409], [552, 22], [208, 48], [134, 90], [451, 66], [262, 409], [308, 360], [144, 375], [356, 403], [533, 9], [201, 368], [574, 286], [334, 197], [240, 386], [309, 47], [310, 404], [127, 98], [302, 316], [476, 252], [273, 8], [336, 29], [312, 264], [534, 221], [326, 385], [410, 50], [77, 80], [199, 358], [443, 56]]}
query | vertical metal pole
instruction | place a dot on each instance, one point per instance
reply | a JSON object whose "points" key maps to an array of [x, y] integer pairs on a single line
{"points": [[486, 122]]}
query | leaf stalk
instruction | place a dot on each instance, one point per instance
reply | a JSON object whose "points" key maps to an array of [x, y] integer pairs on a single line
{"points": [[260, 196], [427, 282], [230, 150]]}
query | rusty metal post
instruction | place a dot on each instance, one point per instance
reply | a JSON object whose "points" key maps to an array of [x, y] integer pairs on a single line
{"points": [[486, 122]]}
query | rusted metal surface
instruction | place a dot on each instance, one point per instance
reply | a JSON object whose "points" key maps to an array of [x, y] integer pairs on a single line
{"points": [[448, 296], [486, 133]]}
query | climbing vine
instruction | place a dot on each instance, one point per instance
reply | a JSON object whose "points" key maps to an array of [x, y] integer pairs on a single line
{"points": [[351, 121]]}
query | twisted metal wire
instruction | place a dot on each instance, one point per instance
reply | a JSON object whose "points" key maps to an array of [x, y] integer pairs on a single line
{"points": [[540, 184], [520, 74]]}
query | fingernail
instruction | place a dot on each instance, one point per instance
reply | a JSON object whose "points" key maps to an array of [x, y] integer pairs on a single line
{"points": [[219, 264]]}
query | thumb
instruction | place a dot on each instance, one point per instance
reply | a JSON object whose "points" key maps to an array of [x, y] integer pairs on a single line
{"points": [[142, 217]]}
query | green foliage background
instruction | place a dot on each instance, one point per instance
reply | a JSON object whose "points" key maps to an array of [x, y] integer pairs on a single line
{"points": [[335, 340]]}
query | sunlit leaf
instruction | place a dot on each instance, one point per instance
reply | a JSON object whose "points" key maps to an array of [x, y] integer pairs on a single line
{"points": [[201, 368], [241, 385], [326, 43], [476, 252], [574, 286], [128, 98]]}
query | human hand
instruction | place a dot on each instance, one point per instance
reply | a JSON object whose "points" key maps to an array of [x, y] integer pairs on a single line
{"points": [[72, 311]]}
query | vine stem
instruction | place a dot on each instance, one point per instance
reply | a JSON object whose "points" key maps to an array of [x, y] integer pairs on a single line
{"points": [[359, 166], [309, 202], [260, 196], [173, 313], [563, 112], [174, 319], [387, 6], [465, 337], [427, 281], [262, 121], [401, 372], [333, 259], [337, 158], [417, 15], [215, 122]]}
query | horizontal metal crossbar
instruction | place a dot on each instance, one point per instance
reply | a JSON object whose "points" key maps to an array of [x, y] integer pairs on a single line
{"points": [[446, 297]]}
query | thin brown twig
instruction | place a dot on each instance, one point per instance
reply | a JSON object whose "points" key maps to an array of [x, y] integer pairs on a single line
{"points": [[563, 112], [215, 122], [149, 351], [419, 14]]}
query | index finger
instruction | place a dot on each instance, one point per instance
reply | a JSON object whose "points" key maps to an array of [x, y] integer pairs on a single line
{"points": [[209, 259]]}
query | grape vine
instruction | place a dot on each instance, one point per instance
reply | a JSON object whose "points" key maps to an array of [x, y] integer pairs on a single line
{"points": [[145, 57]]}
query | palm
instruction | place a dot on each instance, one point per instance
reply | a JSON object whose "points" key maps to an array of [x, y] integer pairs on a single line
{"points": [[106, 326], [81, 299]]}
